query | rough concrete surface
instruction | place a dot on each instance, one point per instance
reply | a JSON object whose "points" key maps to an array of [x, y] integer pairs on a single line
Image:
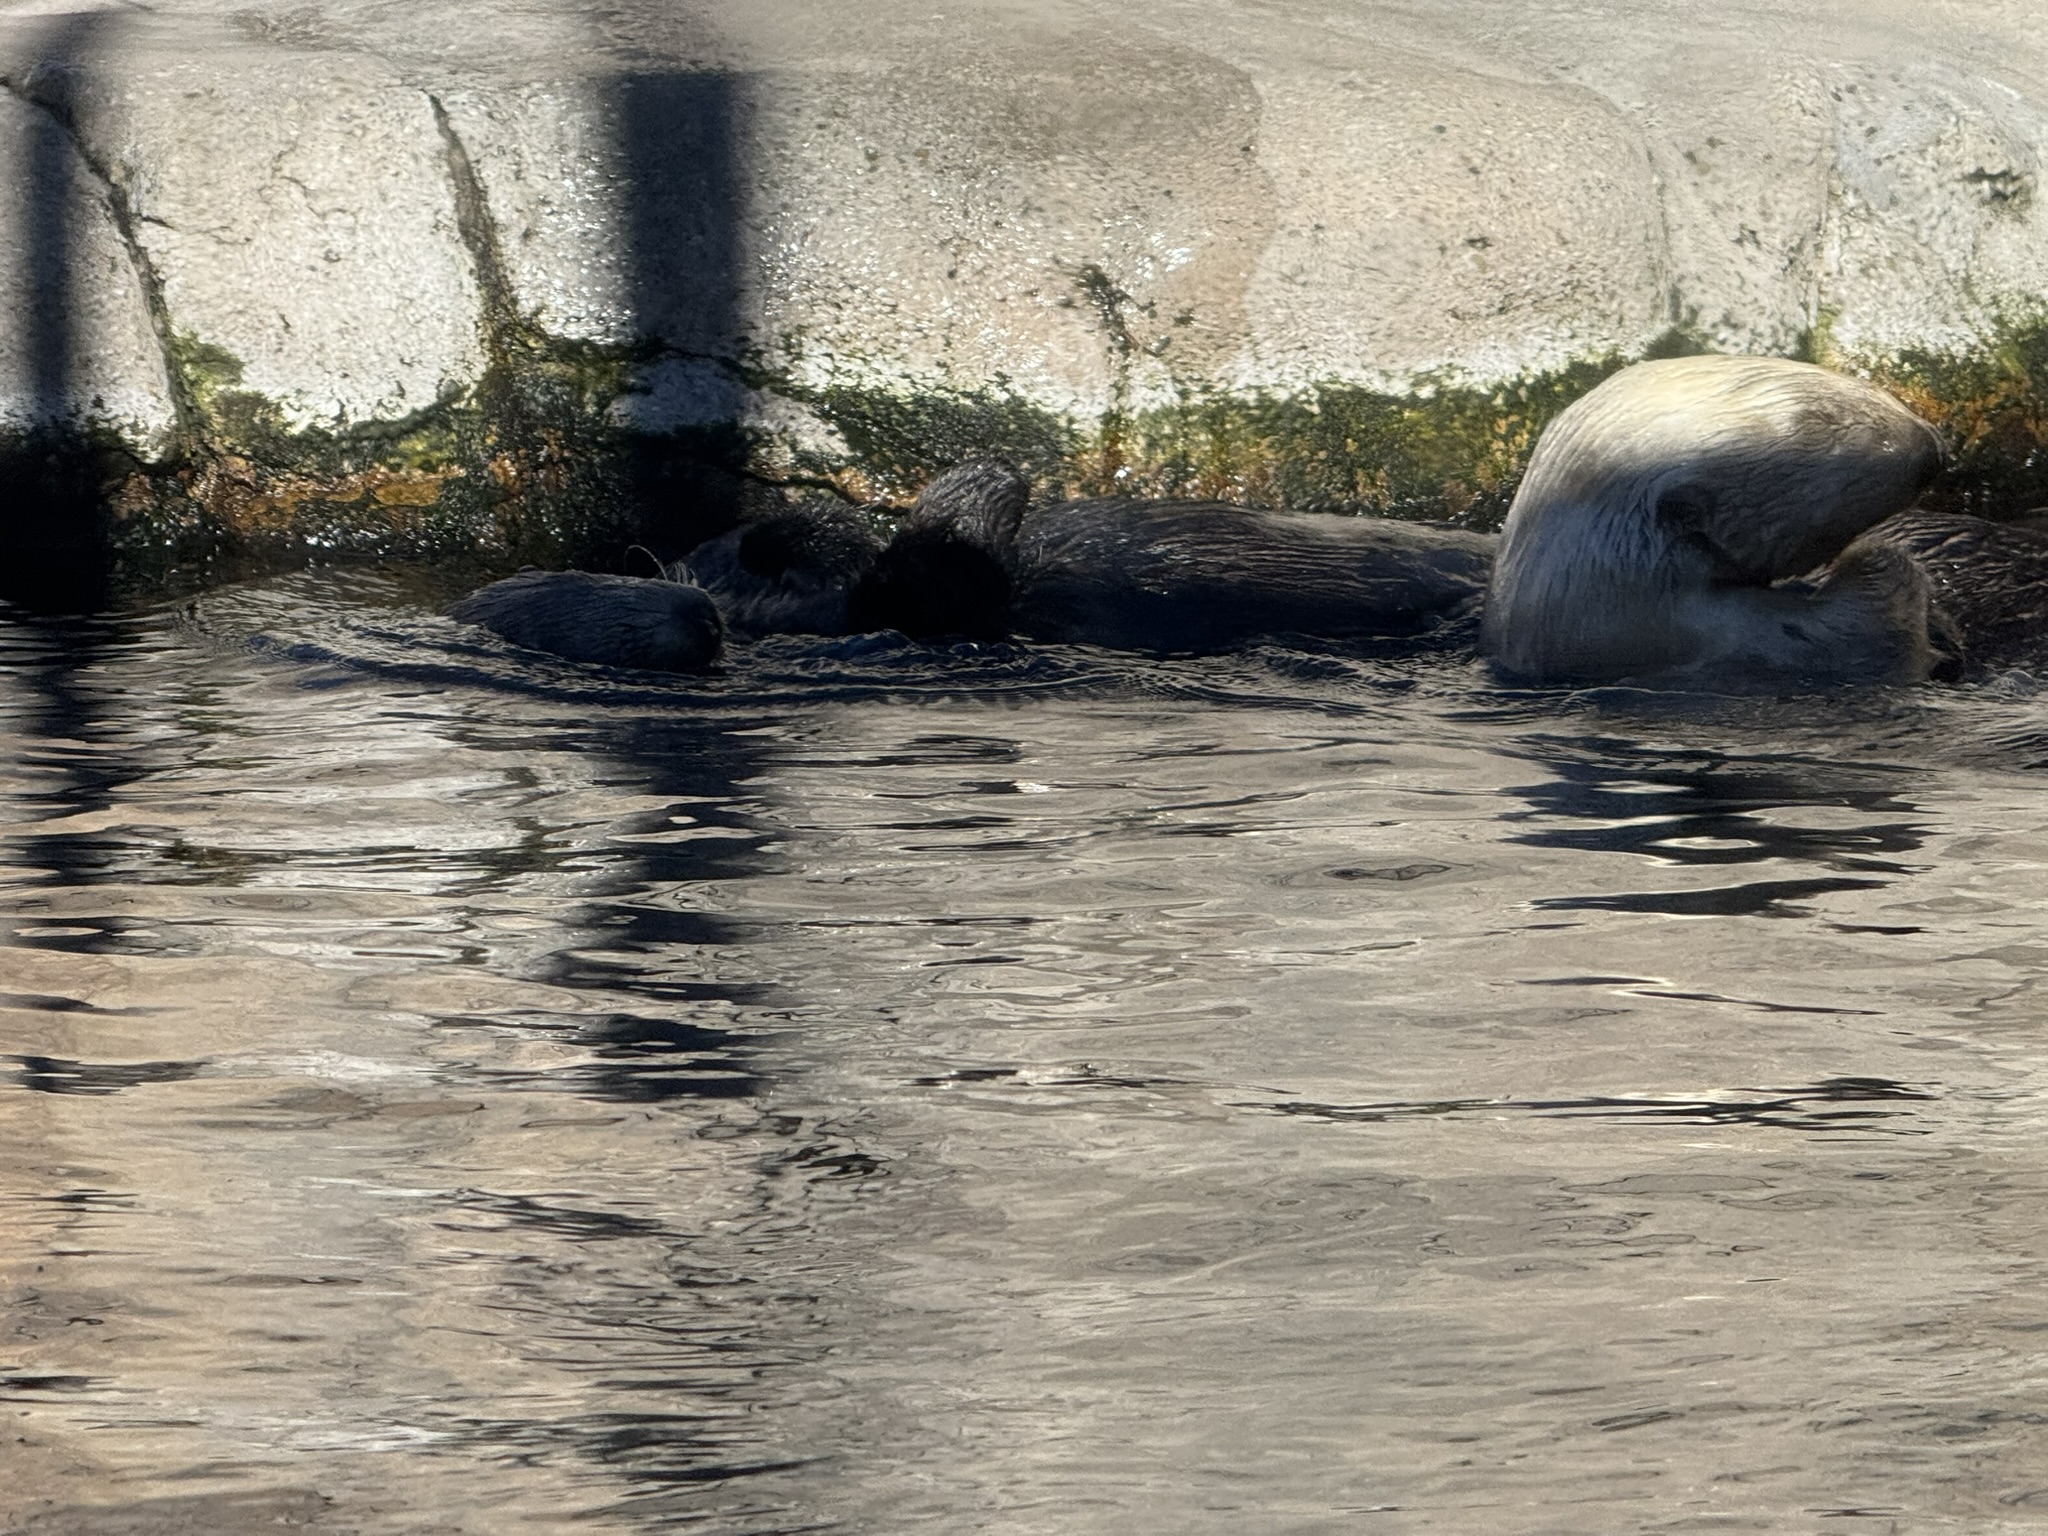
{"points": [[76, 344], [843, 243]]}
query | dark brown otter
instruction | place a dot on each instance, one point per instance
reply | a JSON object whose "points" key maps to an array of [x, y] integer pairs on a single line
{"points": [[973, 559], [788, 571], [1988, 581], [613, 621]]}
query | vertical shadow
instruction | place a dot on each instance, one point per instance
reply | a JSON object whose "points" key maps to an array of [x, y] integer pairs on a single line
{"points": [[70, 759], [54, 526], [678, 137]]}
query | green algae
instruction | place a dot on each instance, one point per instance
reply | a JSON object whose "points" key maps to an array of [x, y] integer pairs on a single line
{"points": [[524, 468], [1446, 452], [531, 466], [1991, 405], [898, 442]]}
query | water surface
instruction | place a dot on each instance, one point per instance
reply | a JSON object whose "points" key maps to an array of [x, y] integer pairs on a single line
{"points": [[877, 1089]]}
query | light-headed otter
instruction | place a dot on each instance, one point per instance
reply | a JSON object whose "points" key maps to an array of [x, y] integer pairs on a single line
{"points": [[613, 621], [1666, 514], [972, 558]]}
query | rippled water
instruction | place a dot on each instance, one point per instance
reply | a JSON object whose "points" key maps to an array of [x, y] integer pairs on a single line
{"points": [[878, 1090]]}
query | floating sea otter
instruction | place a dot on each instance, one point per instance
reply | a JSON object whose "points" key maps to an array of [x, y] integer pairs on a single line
{"points": [[1709, 519], [973, 558], [613, 621], [1668, 516]]}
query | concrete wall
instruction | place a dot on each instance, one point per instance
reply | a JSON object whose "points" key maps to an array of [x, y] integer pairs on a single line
{"points": [[529, 279]]}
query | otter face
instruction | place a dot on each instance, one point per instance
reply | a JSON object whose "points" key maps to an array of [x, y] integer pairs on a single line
{"points": [[1677, 479], [947, 571]]}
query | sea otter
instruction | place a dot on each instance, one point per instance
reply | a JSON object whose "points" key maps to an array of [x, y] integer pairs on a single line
{"points": [[614, 621], [973, 558], [1667, 515], [1717, 520], [790, 570]]}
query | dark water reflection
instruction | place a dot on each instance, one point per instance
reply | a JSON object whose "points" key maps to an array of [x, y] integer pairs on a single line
{"points": [[878, 1090]]}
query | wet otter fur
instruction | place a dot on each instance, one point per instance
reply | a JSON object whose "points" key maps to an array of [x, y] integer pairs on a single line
{"points": [[1667, 516], [949, 568], [1988, 580], [972, 558], [788, 571], [1196, 576], [613, 621]]}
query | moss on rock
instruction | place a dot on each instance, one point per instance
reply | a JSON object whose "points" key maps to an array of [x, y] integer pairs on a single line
{"points": [[531, 466], [1991, 404]]}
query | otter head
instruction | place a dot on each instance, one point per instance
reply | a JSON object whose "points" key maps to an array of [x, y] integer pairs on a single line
{"points": [[681, 631], [947, 571], [1677, 479], [616, 621], [788, 569]]}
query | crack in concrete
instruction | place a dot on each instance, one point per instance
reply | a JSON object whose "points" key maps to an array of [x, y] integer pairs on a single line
{"points": [[1109, 301], [498, 320], [185, 415]]}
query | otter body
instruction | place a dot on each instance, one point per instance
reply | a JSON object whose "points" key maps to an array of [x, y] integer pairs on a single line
{"points": [[1988, 580], [1667, 513], [613, 621], [1165, 576], [789, 572], [1204, 576]]}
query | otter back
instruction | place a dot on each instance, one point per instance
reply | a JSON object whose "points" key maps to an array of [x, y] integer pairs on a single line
{"points": [[613, 621], [1197, 576]]}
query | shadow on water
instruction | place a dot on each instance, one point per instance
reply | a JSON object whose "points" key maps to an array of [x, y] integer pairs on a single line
{"points": [[652, 1029], [657, 978], [54, 1074], [1702, 807], [1818, 1107], [77, 756], [620, 945]]}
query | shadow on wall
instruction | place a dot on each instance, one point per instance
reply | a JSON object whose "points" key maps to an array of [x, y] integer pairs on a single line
{"points": [[561, 480], [54, 523], [542, 472], [678, 146]]}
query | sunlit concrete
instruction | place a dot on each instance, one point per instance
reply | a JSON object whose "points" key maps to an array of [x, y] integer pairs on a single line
{"points": [[1089, 205]]}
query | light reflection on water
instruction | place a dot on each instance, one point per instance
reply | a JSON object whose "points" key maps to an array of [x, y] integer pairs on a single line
{"points": [[877, 1090]]}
